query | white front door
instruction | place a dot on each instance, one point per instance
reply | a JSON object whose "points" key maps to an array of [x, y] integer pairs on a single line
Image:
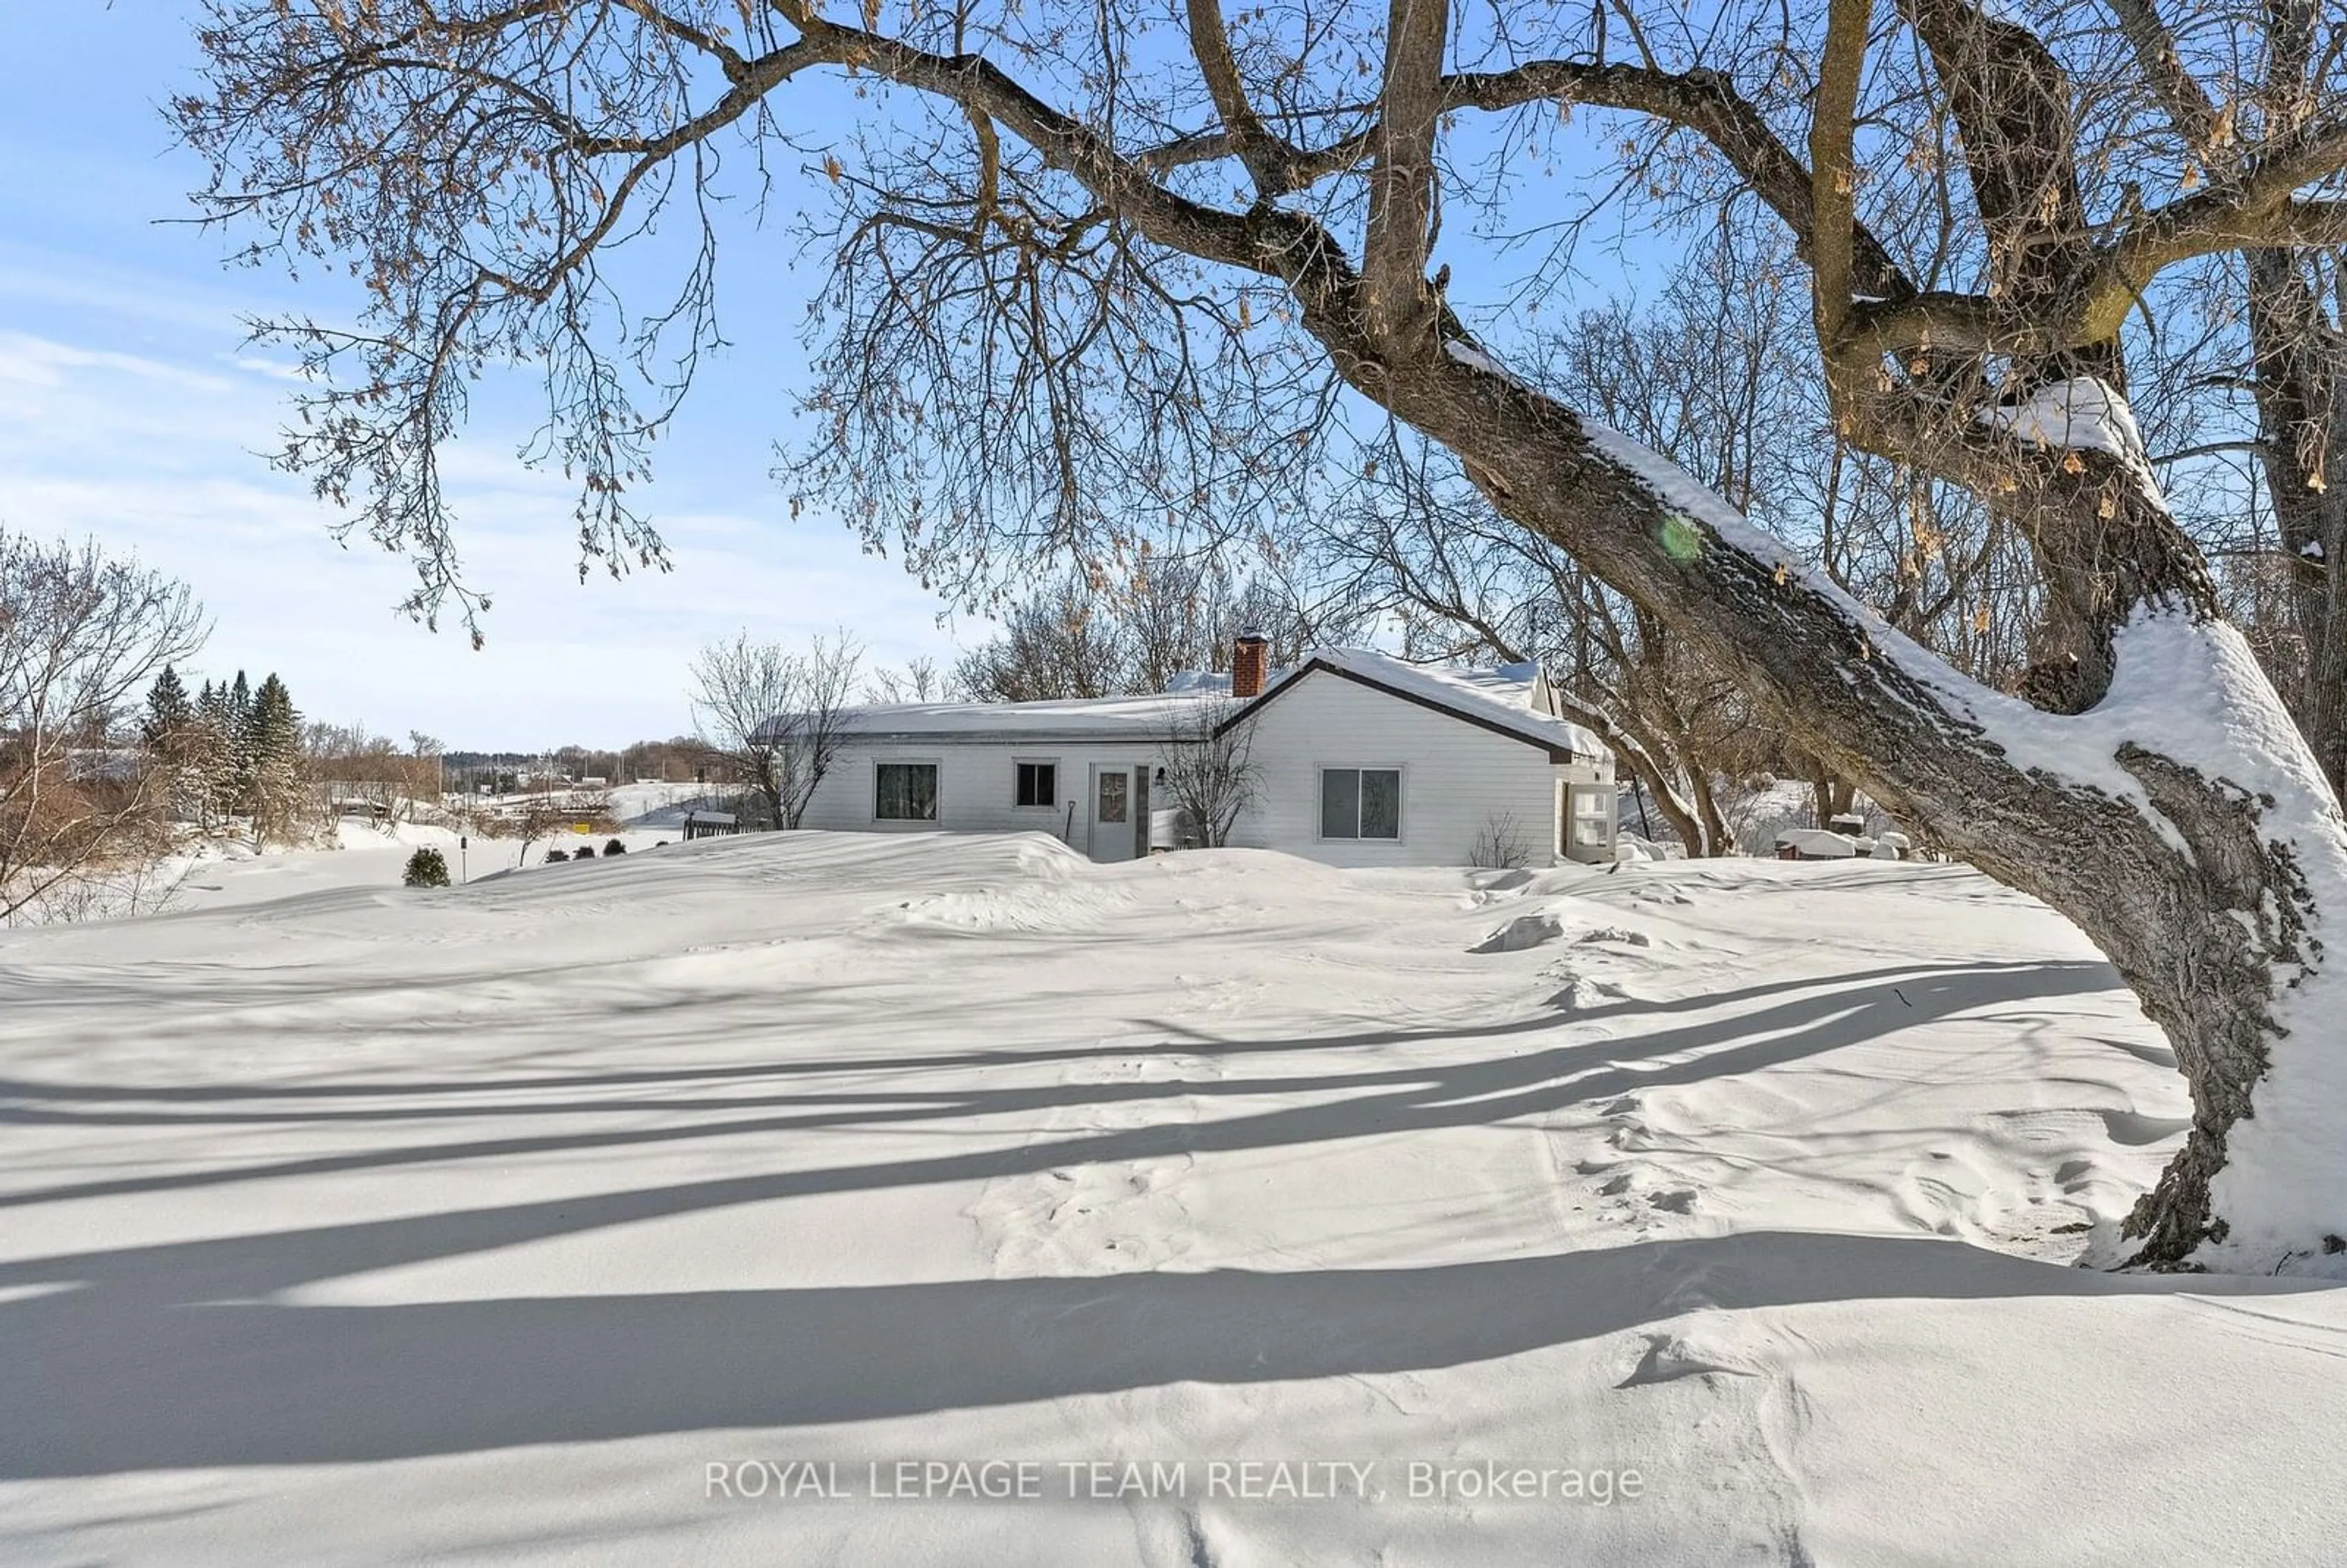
{"points": [[1113, 806]]}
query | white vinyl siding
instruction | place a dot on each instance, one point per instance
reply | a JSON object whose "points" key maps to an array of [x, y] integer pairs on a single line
{"points": [[1455, 778], [1454, 775], [977, 785]]}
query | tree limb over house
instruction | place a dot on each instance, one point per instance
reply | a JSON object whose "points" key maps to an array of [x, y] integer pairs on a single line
{"points": [[1092, 291]]}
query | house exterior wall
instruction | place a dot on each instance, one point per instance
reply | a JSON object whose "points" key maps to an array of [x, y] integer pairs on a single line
{"points": [[977, 784], [1455, 776]]}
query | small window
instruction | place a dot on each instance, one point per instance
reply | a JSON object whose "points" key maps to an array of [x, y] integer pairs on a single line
{"points": [[1114, 789], [906, 791], [1039, 784], [1360, 803]]}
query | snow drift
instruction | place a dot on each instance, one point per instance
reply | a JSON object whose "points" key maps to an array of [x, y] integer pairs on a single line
{"points": [[375, 1223]]}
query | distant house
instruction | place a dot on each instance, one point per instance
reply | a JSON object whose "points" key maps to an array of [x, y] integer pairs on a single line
{"points": [[1359, 759]]}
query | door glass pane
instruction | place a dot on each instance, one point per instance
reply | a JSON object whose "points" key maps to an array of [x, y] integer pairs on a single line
{"points": [[1340, 803], [1380, 802], [1112, 788]]}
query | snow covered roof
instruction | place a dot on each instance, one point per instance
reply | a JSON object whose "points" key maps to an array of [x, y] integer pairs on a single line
{"points": [[1509, 697], [1506, 697], [1818, 842], [1141, 718]]}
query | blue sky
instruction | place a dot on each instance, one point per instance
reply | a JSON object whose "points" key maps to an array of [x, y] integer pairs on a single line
{"points": [[130, 410]]}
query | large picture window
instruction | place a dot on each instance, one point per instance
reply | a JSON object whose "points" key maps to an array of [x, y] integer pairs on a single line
{"points": [[1037, 785], [1360, 803], [906, 791]]}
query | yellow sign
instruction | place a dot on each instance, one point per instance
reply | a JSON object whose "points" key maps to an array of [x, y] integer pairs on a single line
{"points": [[582, 827]]}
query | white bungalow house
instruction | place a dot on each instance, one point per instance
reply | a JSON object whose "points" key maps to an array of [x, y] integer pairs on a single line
{"points": [[1357, 759]]}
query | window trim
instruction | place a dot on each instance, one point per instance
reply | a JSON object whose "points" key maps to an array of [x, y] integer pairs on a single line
{"points": [[1057, 795], [907, 823], [1321, 796]]}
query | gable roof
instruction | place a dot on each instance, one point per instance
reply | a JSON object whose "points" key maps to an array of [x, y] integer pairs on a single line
{"points": [[1510, 700], [1507, 699]]}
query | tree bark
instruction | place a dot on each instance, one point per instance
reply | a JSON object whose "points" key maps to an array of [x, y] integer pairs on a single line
{"points": [[2153, 788], [2177, 818], [2301, 361]]}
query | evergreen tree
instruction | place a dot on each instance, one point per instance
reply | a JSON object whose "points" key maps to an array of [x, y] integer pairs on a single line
{"points": [[170, 732], [169, 712], [214, 755], [239, 731], [278, 789], [427, 867]]}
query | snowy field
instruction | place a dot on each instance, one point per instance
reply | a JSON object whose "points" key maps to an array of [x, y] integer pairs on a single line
{"points": [[541, 1219], [228, 872]]}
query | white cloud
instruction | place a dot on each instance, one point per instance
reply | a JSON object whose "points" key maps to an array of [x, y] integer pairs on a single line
{"points": [[41, 362], [159, 456]]}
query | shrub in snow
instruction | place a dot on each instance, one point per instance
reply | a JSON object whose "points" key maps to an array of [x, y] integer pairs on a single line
{"points": [[586, 852], [425, 868], [554, 854], [1500, 844], [614, 847]]}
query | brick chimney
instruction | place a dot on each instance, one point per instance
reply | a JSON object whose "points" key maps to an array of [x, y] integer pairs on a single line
{"points": [[1249, 654]]}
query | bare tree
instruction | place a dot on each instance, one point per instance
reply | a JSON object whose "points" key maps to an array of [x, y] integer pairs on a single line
{"points": [[82, 797], [538, 817], [1064, 643], [775, 720], [920, 680], [1207, 761], [1709, 376], [359, 768], [1500, 844], [2287, 347], [1136, 633], [1090, 289]]}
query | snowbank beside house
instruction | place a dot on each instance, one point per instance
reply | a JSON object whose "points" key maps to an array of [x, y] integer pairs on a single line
{"points": [[531, 1221]]}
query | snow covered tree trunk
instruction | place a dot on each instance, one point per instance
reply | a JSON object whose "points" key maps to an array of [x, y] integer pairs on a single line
{"points": [[2230, 864], [2147, 783], [2178, 815]]}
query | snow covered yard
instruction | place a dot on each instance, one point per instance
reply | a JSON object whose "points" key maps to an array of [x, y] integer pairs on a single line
{"points": [[481, 1225], [229, 872]]}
